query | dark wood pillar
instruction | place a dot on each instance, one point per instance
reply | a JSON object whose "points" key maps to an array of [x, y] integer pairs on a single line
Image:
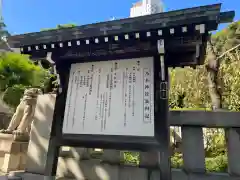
{"points": [[57, 124], [162, 123]]}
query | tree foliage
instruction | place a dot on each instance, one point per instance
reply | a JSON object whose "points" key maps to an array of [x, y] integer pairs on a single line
{"points": [[194, 84], [227, 38], [17, 72], [60, 26]]}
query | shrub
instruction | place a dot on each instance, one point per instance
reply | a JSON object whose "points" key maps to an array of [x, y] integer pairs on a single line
{"points": [[17, 72]]}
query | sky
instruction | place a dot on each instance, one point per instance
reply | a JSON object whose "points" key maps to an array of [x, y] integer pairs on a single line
{"points": [[23, 16]]}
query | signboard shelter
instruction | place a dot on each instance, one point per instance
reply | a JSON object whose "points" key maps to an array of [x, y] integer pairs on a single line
{"points": [[114, 77]]}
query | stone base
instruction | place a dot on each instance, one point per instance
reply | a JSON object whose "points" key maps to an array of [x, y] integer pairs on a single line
{"points": [[40, 134], [13, 149], [30, 176], [11, 137]]}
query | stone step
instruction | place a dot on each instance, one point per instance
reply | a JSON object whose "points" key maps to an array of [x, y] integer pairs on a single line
{"points": [[10, 178]]}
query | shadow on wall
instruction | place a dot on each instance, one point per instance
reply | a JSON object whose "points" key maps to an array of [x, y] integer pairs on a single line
{"points": [[74, 163], [39, 141], [40, 133], [77, 163]]}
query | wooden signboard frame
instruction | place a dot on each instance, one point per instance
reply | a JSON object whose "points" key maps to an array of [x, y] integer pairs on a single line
{"points": [[122, 141]]}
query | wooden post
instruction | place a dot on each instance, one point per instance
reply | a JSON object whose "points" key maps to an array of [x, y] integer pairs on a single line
{"points": [[162, 123], [233, 149], [56, 131], [193, 149], [149, 159], [111, 156]]}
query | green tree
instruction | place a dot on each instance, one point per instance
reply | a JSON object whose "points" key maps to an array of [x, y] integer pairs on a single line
{"points": [[194, 82], [17, 72], [227, 38], [194, 85]]}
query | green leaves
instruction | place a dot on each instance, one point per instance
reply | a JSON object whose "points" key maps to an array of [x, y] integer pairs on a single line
{"points": [[193, 82], [18, 69], [17, 72], [217, 164], [227, 38], [60, 26], [12, 95]]}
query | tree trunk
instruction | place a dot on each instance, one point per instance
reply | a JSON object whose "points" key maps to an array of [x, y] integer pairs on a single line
{"points": [[214, 84]]}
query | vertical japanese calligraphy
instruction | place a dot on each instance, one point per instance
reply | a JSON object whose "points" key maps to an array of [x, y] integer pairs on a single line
{"points": [[147, 96], [111, 98]]}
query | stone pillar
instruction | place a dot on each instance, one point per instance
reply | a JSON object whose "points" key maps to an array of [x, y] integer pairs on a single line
{"points": [[40, 134], [13, 152]]}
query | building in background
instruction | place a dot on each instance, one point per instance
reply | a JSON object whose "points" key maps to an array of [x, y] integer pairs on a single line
{"points": [[146, 7], [137, 9]]}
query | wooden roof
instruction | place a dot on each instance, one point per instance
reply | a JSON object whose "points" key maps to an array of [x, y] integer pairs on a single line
{"points": [[166, 23]]}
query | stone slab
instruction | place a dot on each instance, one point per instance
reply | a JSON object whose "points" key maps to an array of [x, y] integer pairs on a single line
{"points": [[9, 144], [40, 134], [13, 153], [28, 176]]}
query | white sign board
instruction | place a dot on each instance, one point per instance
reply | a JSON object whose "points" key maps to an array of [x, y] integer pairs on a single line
{"points": [[111, 98]]}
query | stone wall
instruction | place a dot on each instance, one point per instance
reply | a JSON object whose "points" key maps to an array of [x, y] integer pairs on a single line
{"points": [[40, 134], [12, 153]]}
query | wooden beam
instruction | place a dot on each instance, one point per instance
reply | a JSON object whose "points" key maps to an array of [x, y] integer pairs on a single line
{"points": [[181, 175], [136, 24], [227, 17], [205, 119], [126, 172]]}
